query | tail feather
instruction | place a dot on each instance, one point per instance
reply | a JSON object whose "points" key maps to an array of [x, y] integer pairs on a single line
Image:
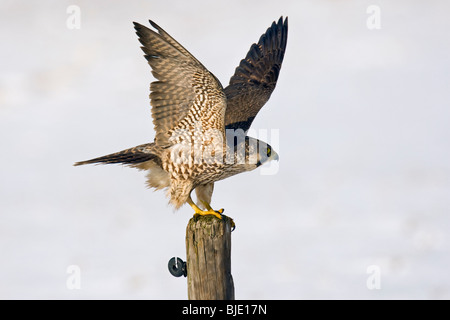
{"points": [[132, 156]]}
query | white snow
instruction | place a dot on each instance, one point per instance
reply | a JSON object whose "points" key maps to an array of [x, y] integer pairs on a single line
{"points": [[364, 172]]}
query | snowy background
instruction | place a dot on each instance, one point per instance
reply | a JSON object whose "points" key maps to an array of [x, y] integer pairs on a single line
{"points": [[364, 144]]}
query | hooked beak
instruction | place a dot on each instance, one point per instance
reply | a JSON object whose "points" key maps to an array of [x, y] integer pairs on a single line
{"points": [[274, 156]]}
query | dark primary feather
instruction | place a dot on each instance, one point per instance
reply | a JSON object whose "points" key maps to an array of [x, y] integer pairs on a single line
{"points": [[130, 156], [256, 76]]}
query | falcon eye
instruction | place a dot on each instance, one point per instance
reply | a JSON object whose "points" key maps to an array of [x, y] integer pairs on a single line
{"points": [[269, 151]]}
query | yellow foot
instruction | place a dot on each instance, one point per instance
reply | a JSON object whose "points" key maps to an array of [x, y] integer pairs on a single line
{"points": [[207, 206], [220, 211], [199, 212], [216, 214], [209, 211]]}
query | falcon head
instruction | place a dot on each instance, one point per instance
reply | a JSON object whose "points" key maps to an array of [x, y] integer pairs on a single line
{"points": [[264, 152], [250, 153]]}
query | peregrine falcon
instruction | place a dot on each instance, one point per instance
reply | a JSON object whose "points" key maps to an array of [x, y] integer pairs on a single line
{"points": [[201, 128]]}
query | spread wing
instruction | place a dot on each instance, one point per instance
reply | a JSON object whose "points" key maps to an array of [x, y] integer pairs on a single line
{"points": [[256, 77], [186, 93]]}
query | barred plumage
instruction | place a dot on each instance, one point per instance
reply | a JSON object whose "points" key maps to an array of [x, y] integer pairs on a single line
{"points": [[191, 110]]}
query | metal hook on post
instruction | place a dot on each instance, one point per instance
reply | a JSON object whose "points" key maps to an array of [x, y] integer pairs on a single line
{"points": [[177, 267]]}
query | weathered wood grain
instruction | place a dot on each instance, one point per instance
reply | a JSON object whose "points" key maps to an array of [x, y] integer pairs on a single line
{"points": [[208, 252]]}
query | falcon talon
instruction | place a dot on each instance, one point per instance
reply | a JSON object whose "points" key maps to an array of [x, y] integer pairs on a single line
{"points": [[233, 225], [190, 104], [208, 213]]}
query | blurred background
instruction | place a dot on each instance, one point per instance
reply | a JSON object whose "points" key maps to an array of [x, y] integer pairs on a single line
{"points": [[363, 183]]}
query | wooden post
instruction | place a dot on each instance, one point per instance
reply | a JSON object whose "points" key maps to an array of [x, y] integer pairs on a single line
{"points": [[208, 258]]}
